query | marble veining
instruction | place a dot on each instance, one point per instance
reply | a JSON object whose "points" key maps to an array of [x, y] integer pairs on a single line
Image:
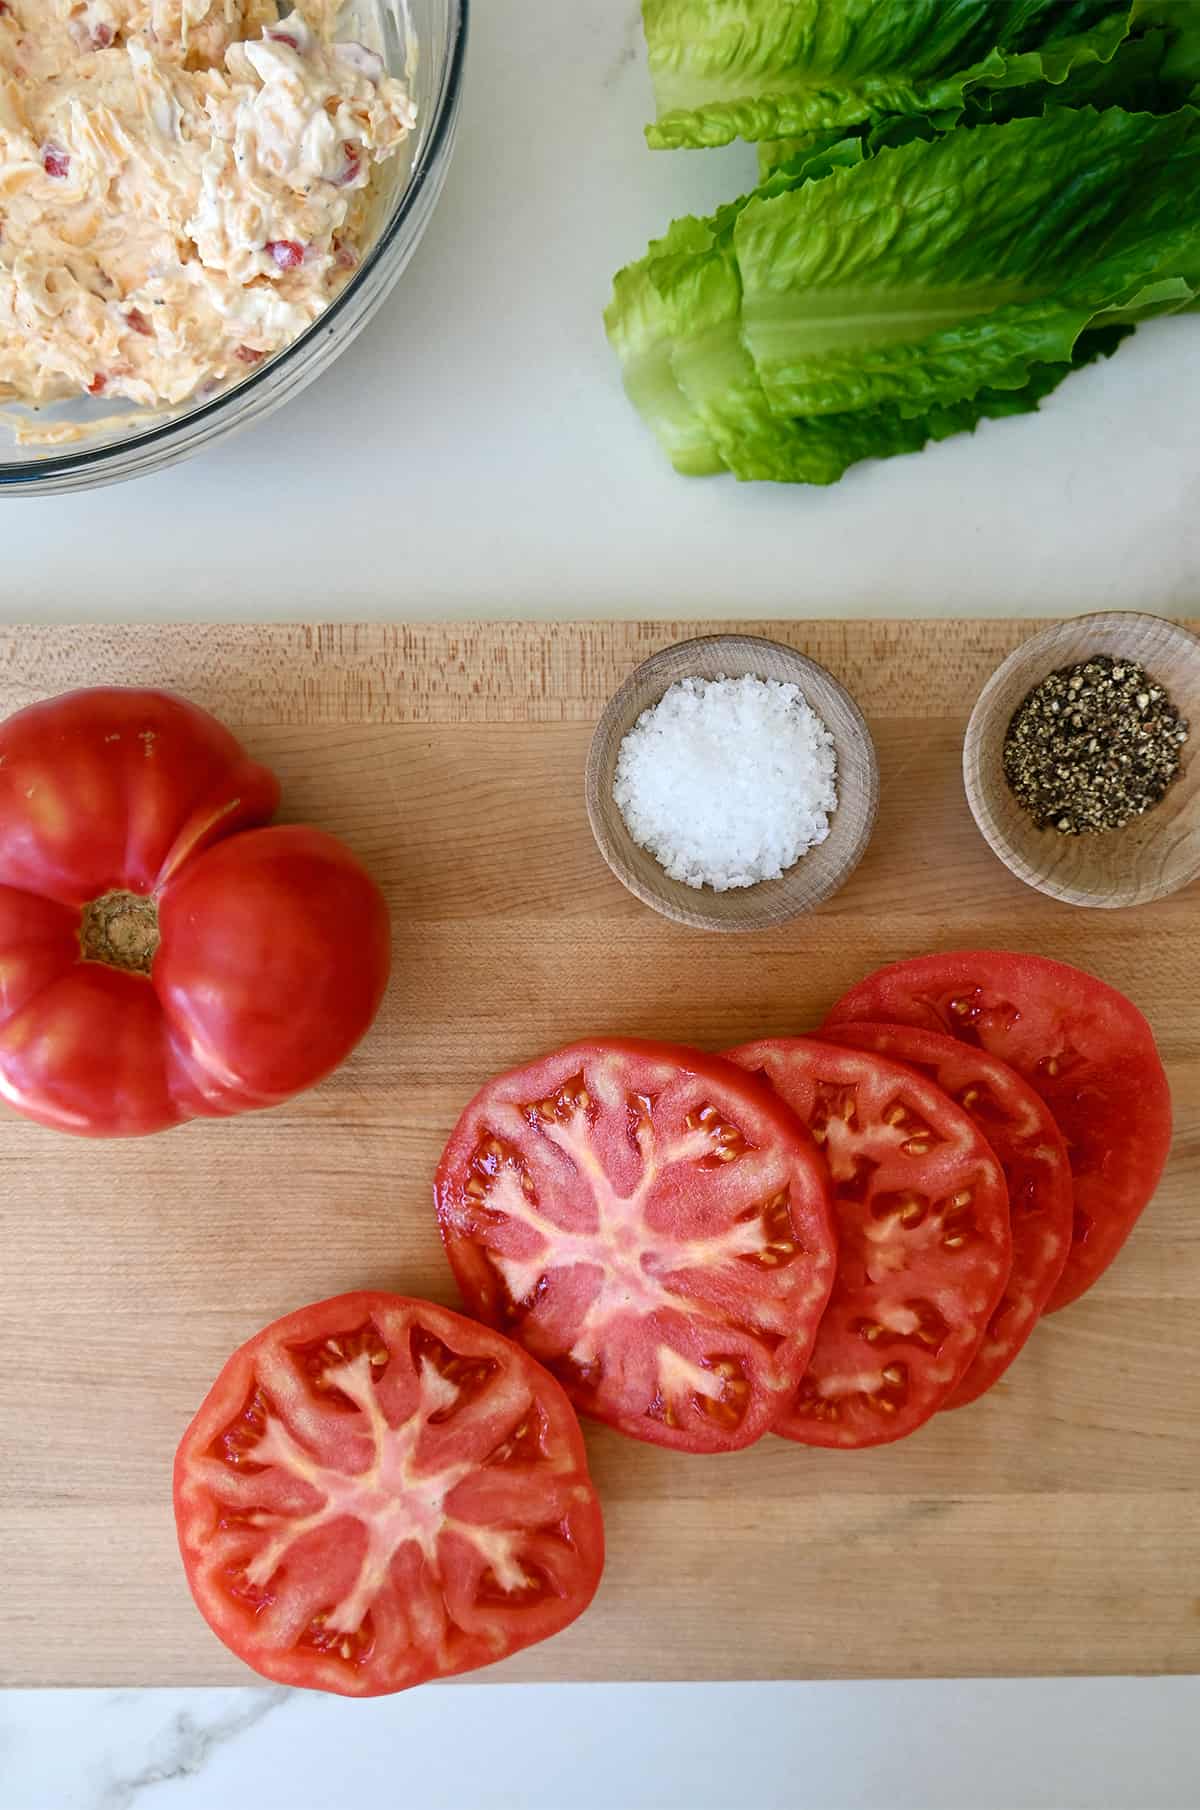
{"points": [[632, 46], [186, 1743]]}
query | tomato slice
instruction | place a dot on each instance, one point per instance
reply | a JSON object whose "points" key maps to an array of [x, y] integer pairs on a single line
{"points": [[924, 1248], [1081, 1045], [1021, 1130], [654, 1226], [377, 1491]]}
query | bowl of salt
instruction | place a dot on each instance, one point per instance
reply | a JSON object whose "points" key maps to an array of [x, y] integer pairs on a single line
{"points": [[732, 783]]}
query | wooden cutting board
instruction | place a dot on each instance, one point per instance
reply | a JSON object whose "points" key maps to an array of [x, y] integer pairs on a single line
{"points": [[1052, 1528]]}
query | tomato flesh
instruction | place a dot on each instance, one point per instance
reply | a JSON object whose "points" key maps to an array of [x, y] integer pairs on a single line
{"points": [[1021, 1130], [377, 1491], [163, 954], [653, 1226], [924, 1246], [1081, 1045]]}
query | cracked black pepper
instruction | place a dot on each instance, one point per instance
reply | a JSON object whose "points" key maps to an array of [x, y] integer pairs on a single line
{"points": [[1093, 746]]}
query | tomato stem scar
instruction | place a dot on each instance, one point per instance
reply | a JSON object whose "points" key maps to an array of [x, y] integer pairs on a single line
{"points": [[121, 930]]}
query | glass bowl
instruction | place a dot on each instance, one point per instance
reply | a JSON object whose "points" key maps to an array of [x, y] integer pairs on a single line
{"points": [[124, 442]]}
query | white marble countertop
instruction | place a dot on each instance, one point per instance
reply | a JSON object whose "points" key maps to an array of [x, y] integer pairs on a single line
{"points": [[1057, 1744], [473, 454]]}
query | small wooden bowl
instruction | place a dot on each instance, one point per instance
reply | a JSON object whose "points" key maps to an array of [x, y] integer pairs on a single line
{"points": [[818, 874], [1153, 855]]}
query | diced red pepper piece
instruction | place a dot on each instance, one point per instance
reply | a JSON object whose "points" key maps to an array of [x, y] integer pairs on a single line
{"points": [[287, 253]]}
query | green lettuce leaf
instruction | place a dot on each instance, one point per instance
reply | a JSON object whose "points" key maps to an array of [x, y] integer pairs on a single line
{"points": [[639, 330], [1180, 19], [940, 269], [700, 290], [643, 327], [821, 450], [716, 380], [701, 295], [772, 69], [1150, 72], [776, 154]]}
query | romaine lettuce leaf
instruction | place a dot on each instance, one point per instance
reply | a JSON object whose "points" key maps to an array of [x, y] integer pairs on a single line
{"points": [[1150, 72], [643, 326], [695, 275], [701, 293], [1180, 19], [821, 449], [944, 268], [940, 240], [771, 69], [639, 331]]}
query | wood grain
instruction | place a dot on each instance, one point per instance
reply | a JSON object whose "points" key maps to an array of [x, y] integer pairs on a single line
{"points": [[810, 881], [1053, 1527], [1151, 856]]}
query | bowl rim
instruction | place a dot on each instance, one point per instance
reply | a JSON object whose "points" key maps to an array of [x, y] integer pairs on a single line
{"points": [[682, 912], [1006, 851], [26, 475]]}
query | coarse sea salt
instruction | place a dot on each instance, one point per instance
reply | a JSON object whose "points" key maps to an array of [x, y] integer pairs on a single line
{"points": [[727, 781]]}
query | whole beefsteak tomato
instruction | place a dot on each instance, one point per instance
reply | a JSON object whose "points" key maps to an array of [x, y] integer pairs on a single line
{"points": [[163, 954]]}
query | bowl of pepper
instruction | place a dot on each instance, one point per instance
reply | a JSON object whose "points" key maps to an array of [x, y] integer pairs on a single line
{"points": [[1078, 760]]}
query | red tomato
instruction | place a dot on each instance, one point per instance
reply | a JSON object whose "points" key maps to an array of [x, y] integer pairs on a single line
{"points": [[161, 957], [1081, 1045], [376, 1492], [924, 1248], [653, 1226], [1021, 1130]]}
